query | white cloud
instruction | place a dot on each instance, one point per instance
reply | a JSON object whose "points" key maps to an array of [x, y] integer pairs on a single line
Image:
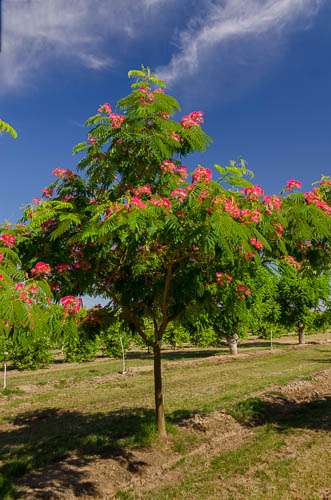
{"points": [[233, 21], [37, 33], [97, 34]]}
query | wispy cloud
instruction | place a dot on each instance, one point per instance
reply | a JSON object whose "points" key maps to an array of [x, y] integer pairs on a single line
{"points": [[95, 33], [37, 33], [233, 21]]}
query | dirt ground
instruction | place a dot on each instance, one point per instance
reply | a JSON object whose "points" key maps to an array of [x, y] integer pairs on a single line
{"points": [[155, 466]]}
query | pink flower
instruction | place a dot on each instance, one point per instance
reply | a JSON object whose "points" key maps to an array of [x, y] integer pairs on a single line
{"points": [[201, 174], [221, 278], [243, 291], [272, 203], [161, 202], [135, 201], [168, 166], [182, 171], [158, 91], [59, 172], [165, 116], [8, 240], [175, 137], [178, 194], [253, 193], [291, 261], [193, 119], [291, 184], [48, 192], [41, 268], [71, 304], [36, 200], [19, 286], [142, 190], [1, 256], [105, 108], [91, 140], [116, 120], [256, 243]]}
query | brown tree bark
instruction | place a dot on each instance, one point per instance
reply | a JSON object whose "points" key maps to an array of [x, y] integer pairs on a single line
{"points": [[159, 407], [301, 332], [232, 341]]}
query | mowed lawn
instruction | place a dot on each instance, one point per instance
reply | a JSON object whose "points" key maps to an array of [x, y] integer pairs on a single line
{"points": [[87, 409]]}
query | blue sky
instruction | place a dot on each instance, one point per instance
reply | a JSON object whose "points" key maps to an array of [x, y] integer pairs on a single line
{"points": [[259, 69]]}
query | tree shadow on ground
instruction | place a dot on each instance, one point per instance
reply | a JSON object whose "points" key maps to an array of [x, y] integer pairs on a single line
{"points": [[34, 440], [178, 355], [285, 413]]}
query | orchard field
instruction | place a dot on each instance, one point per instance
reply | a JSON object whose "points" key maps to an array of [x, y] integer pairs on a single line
{"points": [[253, 426]]}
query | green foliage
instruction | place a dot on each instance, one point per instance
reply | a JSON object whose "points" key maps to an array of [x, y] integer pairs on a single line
{"points": [[4, 127], [301, 298], [249, 411], [80, 349], [31, 355], [110, 339]]}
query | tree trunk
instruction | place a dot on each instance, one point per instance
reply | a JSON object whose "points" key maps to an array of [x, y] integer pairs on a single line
{"points": [[159, 408], [232, 341], [301, 332]]}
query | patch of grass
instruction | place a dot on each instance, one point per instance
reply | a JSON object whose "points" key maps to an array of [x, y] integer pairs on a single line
{"points": [[180, 463], [124, 495], [11, 392], [61, 384], [249, 411]]}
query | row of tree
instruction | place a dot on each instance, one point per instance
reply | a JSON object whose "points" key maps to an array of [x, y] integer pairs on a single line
{"points": [[166, 247]]}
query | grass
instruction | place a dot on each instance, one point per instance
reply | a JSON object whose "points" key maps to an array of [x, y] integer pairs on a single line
{"points": [[279, 463], [68, 412]]}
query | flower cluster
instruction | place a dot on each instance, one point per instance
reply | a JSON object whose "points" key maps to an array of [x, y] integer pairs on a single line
{"points": [[182, 171], [62, 268], [71, 304], [41, 268], [27, 293], [193, 119], [178, 194], [8, 240], [137, 202], [142, 190], [279, 229], [201, 174], [221, 278], [243, 291], [256, 243], [116, 120], [48, 193], [291, 261], [168, 166], [249, 216], [161, 202], [253, 193], [291, 184], [147, 96], [232, 207], [314, 198], [272, 203]]}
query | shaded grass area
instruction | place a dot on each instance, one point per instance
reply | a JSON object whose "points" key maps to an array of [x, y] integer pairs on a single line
{"points": [[107, 419]]}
